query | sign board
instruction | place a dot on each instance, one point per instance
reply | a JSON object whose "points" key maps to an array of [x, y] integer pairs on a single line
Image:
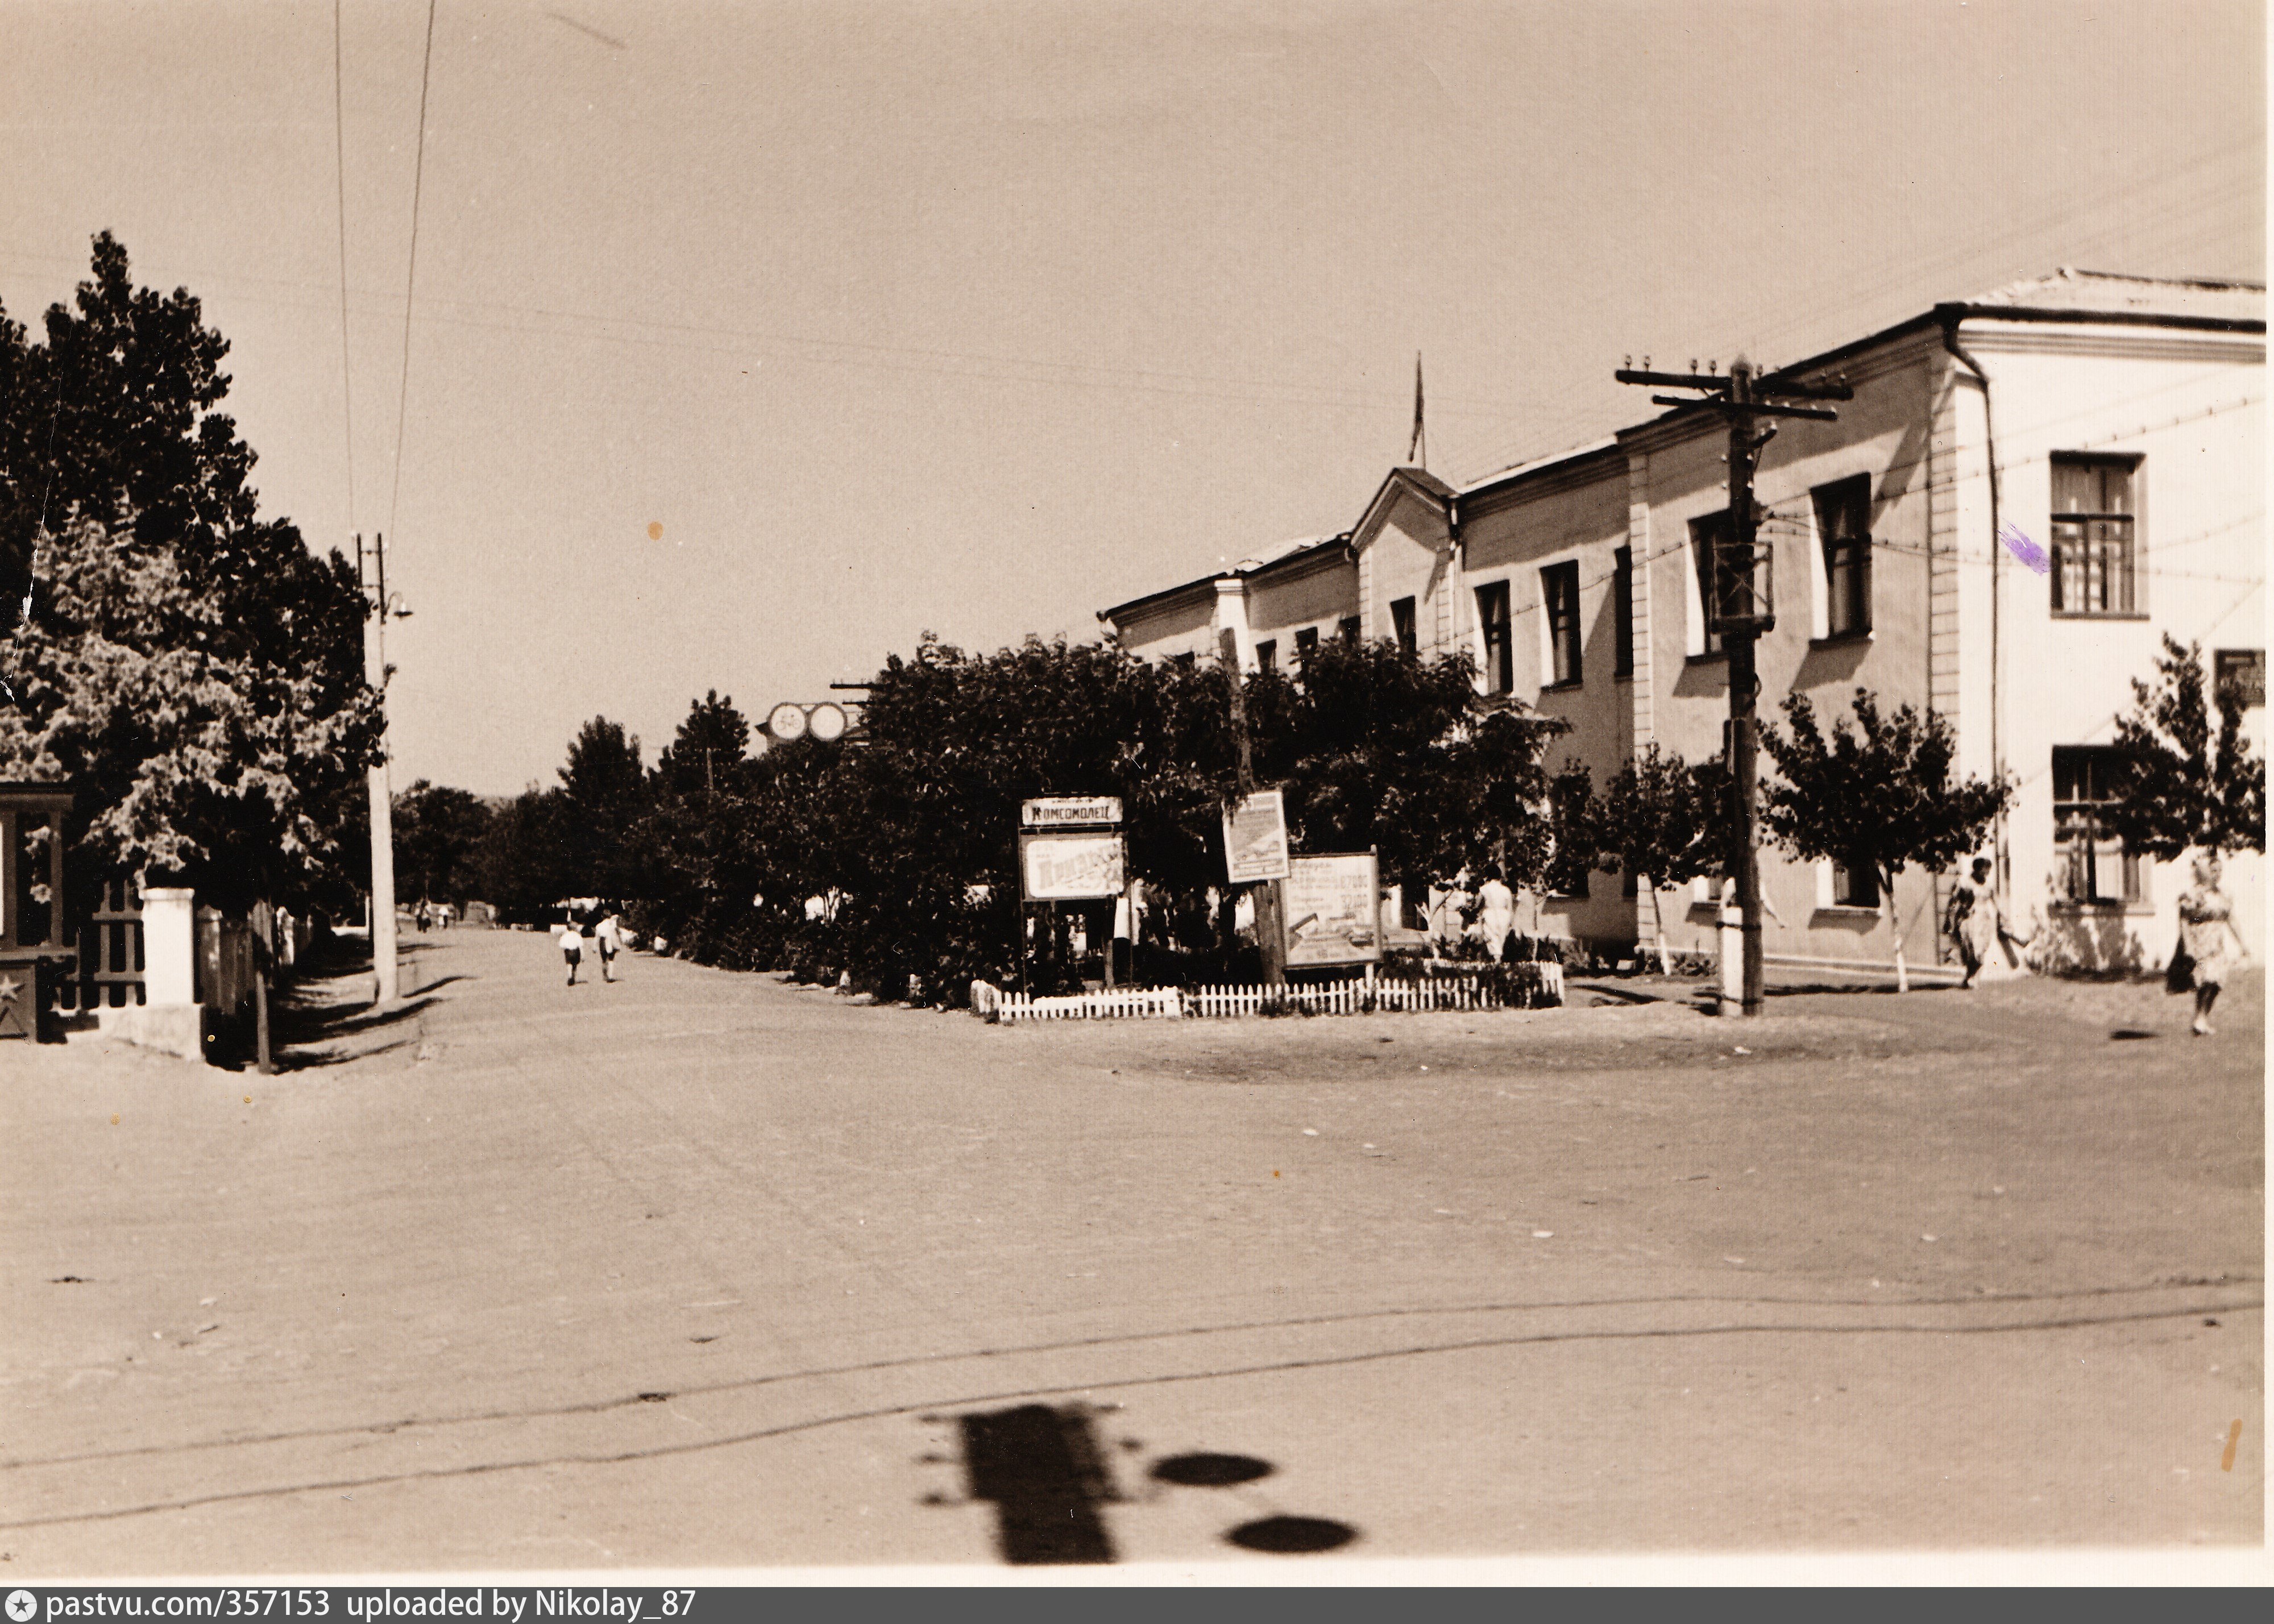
{"points": [[2245, 666], [1255, 838], [1069, 811], [1333, 910], [1060, 865]]}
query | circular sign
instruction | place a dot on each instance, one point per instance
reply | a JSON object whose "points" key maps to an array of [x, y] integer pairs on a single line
{"points": [[786, 721], [828, 722]]}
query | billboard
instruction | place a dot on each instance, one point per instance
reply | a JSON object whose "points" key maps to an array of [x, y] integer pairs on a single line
{"points": [[1333, 910], [1064, 866], [1255, 838]]}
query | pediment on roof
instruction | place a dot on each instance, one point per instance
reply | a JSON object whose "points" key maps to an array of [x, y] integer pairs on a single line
{"points": [[1415, 485]]}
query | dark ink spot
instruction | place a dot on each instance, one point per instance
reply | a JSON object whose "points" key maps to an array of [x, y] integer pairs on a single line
{"points": [[2129, 1035], [1211, 1472], [1042, 1468], [1292, 1535], [653, 1398], [2212, 1323], [701, 1339], [68, 1279]]}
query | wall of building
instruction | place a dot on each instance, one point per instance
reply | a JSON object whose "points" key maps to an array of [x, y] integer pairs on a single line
{"points": [[2191, 406], [1184, 623], [1407, 556], [1315, 594]]}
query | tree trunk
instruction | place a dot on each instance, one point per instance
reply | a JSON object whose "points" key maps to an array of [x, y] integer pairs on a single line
{"points": [[1658, 924], [1895, 929]]}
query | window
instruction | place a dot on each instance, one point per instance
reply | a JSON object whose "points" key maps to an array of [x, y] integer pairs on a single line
{"points": [[1184, 659], [1267, 655], [1499, 653], [2093, 540], [1306, 640], [1705, 542], [1347, 629], [1843, 524], [1559, 588], [2093, 865], [1401, 622], [1855, 888], [1623, 610]]}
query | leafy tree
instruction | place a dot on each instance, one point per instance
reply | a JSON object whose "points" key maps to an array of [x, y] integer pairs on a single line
{"points": [[437, 833], [2184, 785], [1661, 819], [521, 864], [1877, 797], [606, 793], [197, 762], [194, 668], [1377, 749]]}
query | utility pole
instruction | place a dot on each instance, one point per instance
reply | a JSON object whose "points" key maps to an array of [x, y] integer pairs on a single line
{"points": [[1738, 602], [388, 988], [1268, 935]]}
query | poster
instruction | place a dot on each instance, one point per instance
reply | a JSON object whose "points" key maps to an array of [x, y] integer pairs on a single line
{"points": [[1331, 910], [1255, 838], [1063, 865]]}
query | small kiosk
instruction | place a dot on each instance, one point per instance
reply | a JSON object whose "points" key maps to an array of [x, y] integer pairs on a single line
{"points": [[33, 948]]}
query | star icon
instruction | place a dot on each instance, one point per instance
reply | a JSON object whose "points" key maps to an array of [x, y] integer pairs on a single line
{"points": [[9, 988]]}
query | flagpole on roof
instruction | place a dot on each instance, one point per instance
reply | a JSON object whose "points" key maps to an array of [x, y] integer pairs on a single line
{"points": [[1418, 452]]}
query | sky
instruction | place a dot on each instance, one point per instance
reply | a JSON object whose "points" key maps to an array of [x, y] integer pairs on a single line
{"points": [[745, 343]]}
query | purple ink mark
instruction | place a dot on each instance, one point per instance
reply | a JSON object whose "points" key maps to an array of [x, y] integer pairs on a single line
{"points": [[2022, 548]]}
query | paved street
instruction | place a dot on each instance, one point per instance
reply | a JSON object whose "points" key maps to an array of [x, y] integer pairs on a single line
{"points": [[701, 1269]]}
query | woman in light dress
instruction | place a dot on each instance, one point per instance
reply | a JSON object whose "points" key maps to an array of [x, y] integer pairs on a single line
{"points": [[2208, 937], [1975, 921]]}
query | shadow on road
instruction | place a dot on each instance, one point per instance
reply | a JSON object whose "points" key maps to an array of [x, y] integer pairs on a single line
{"points": [[323, 1019]]}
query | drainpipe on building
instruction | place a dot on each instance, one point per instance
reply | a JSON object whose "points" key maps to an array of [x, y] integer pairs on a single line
{"points": [[1951, 318]]}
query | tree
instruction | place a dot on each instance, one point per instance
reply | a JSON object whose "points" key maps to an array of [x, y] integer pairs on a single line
{"points": [[197, 762], [1876, 797], [1663, 820], [113, 418], [2181, 787], [606, 794], [437, 832], [1376, 748], [195, 669], [709, 750]]}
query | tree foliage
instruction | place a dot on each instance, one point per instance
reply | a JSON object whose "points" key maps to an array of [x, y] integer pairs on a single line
{"points": [[437, 833], [192, 668], [1878, 795], [1663, 817], [2187, 781], [894, 853]]}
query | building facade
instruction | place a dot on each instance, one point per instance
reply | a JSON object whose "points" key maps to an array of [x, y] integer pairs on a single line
{"points": [[2027, 490]]}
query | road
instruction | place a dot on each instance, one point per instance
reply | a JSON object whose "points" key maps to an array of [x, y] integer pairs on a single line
{"points": [[700, 1269]]}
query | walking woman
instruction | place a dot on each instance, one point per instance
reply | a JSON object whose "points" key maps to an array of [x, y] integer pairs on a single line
{"points": [[2208, 938]]}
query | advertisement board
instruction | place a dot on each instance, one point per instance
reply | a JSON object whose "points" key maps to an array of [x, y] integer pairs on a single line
{"points": [[1255, 838], [1332, 912], [1064, 866]]}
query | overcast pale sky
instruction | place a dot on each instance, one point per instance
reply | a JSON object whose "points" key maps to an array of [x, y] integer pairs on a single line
{"points": [[980, 317]]}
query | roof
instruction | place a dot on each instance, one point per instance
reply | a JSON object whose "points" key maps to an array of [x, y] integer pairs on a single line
{"points": [[1302, 549], [2106, 293]]}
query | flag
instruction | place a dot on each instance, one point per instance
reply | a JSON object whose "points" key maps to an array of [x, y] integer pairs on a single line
{"points": [[1415, 450]]}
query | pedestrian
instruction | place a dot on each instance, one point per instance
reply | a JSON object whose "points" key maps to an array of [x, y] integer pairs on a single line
{"points": [[2208, 941], [608, 936], [425, 916], [1975, 921], [572, 946], [1496, 910]]}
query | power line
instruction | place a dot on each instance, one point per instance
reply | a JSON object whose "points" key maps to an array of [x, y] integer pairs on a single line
{"points": [[340, 165], [410, 281]]}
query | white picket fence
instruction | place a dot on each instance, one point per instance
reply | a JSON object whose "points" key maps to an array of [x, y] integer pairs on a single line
{"points": [[1532, 986]]}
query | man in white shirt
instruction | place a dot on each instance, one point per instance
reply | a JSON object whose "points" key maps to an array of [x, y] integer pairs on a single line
{"points": [[608, 936]]}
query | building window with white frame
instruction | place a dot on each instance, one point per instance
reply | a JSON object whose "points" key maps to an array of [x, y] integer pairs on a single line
{"points": [[1855, 888], [1267, 655], [1559, 591], [1305, 641], [2095, 543], [1500, 650], [2094, 866], [1402, 625], [1843, 529]]}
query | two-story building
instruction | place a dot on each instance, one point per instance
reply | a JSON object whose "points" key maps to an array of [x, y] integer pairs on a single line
{"points": [[2027, 490]]}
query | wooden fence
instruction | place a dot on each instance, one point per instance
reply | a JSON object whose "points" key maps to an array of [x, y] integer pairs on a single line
{"points": [[1521, 986]]}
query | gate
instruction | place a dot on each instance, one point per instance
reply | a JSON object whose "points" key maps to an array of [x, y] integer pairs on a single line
{"points": [[110, 971]]}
